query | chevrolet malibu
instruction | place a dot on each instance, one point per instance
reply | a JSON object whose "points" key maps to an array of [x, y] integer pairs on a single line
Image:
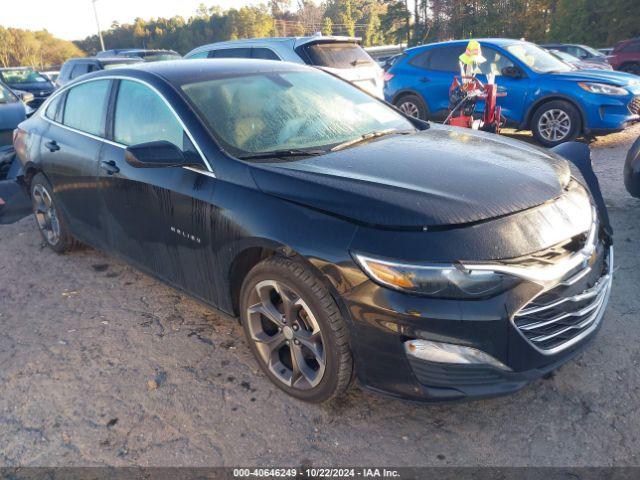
{"points": [[350, 240]]}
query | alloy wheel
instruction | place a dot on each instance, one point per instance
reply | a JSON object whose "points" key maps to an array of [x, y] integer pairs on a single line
{"points": [[286, 334], [45, 213], [554, 125], [409, 108]]}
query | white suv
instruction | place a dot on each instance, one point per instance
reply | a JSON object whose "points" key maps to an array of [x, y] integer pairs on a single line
{"points": [[342, 56]]}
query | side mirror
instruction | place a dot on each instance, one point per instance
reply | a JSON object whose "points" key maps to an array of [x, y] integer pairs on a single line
{"points": [[155, 155], [512, 71]]}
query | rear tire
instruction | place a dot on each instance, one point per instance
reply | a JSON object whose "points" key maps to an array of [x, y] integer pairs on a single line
{"points": [[51, 221], [413, 106], [295, 330], [556, 122]]}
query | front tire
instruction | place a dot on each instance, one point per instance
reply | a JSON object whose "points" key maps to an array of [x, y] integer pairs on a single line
{"points": [[413, 106], [51, 221], [556, 122], [295, 330]]}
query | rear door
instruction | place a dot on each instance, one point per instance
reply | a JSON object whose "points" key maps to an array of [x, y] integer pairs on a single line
{"points": [[432, 72], [70, 150], [157, 216]]}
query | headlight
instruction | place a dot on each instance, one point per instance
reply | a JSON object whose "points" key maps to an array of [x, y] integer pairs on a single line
{"points": [[602, 88], [441, 281]]}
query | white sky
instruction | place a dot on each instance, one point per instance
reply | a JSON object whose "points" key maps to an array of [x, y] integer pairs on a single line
{"points": [[74, 19]]}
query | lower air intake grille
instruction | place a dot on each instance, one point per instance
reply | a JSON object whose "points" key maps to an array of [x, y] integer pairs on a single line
{"points": [[634, 105]]}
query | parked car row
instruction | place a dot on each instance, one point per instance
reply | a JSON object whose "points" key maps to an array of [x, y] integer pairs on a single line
{"points": [[543, 94]]}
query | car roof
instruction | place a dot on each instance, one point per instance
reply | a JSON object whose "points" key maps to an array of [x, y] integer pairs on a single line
{"points": [[178, 72], [293, 41], [498, 42], [103, 60]]}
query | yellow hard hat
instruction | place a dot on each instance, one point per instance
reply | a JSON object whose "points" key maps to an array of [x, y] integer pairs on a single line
{"points": [[473, 53]]}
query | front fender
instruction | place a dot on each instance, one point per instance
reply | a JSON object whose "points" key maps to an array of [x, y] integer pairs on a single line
{"points": [[579, 154]]}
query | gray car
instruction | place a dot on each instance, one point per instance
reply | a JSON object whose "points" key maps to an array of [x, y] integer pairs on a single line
{"points": [[342, 56]]}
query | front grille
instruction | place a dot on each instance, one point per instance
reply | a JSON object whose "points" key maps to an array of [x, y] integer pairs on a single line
{"points": [[634, 105], [566, 313]]}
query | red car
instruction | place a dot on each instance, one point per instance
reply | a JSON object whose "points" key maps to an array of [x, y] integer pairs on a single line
{"points": [[626, 56]]}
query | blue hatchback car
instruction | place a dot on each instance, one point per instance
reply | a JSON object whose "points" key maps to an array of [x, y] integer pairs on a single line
{"points": [[549, 97]]}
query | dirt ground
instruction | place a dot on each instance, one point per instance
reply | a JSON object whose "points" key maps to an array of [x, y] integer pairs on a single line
{"points": [[103, 365]]}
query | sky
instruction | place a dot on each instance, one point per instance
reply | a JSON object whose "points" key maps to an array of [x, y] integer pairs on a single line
{"points": [[74, 19]]}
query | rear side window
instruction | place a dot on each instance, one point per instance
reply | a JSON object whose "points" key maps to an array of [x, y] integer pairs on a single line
{"points": [[264, 54], [79, 69], [52, 110], [443, 59], [632, 47], [231, 53], [336, 55], [142, 116], [200, 55], [85, 108]]}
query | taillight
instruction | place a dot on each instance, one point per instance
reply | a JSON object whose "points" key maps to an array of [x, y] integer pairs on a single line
{"points": [[388, 76], [19, 142]]}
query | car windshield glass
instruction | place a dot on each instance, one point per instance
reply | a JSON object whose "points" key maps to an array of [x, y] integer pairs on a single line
{"points": [[289, 111], [592, 51], [22, 76], [536, 58], [338, 55], [6, 96], [567, 57]]}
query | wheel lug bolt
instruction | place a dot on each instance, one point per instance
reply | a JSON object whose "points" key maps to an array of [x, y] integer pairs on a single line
{"points": [[297, 342], [295, 327], [287, 342]]}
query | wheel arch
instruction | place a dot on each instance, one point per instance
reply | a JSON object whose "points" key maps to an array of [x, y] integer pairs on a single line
{"points": [[252, 251], [550, 98], [405, 92]]}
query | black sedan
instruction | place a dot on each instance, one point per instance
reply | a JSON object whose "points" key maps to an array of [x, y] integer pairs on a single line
{"points": [[28, 80], [436, 263]]}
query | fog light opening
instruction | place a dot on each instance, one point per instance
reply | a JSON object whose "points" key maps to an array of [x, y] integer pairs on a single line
{"points": [[450, 353]]}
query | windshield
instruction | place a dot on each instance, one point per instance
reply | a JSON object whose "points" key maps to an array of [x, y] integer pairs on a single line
{"points": [[536, 58], [22, 76], [259, 113], [592, 51], [567, 57], [337, 55], [6, 96]]}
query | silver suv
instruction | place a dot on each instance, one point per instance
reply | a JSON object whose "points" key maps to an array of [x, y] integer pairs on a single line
{"points": [[342, 56]]}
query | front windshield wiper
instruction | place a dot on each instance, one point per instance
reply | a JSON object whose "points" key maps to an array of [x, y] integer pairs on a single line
{"points": [[282, 154], [370, 136]]}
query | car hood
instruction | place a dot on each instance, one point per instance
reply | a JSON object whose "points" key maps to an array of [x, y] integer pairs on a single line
{"points": [[620, 79], [439, 177], [11, 114], [35, 87]]}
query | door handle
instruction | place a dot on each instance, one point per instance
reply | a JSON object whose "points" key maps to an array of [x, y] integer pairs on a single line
{"points": [[52, 146], [424, 79], [109, 166]]}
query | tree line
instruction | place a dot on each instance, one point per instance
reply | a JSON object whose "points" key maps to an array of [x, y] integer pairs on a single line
{"points": [[377, 22]]}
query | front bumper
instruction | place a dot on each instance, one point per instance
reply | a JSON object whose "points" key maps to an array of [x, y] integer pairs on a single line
{"points": [[608, 114], [383, 320]]}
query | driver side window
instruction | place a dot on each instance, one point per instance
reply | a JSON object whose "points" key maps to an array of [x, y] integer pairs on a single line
{"points": [[142, 116], [496, 61]]}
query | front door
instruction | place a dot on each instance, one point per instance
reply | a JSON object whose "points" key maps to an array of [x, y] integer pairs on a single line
{"points": [[159, 217]]}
